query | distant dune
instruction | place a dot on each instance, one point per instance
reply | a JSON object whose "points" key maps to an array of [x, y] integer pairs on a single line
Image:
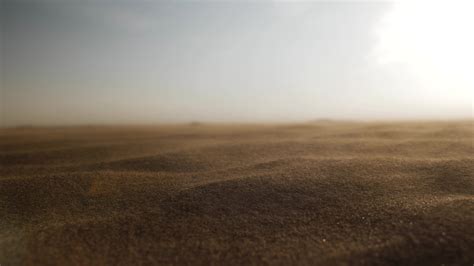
{"points": [[321, 193]]}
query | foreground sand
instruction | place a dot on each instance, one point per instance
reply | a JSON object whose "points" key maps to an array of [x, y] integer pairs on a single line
{"points": [[318, 193]]}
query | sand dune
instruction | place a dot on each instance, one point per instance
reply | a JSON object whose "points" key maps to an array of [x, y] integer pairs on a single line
{"points": [[327, 193]]}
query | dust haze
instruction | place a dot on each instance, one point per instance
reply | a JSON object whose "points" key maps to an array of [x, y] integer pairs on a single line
{"points": [[236, 133]]}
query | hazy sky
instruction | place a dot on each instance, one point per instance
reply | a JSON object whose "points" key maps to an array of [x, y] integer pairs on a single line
{"points": [[76, 62]]}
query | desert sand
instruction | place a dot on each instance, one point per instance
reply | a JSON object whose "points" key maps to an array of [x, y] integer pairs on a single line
{"points": [[320, 193]]}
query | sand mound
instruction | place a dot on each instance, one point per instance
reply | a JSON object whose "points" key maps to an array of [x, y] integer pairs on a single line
{"points": [[161, 163]]}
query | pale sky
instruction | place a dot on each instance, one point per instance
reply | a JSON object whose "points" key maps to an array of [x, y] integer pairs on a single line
{"points": [[128, 62]]}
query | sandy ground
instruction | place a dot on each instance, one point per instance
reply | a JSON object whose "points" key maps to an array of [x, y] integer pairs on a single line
{"points": [[323, 193]]}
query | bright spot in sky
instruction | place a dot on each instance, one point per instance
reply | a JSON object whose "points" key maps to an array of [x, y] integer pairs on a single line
{"points": [[435, 40]]}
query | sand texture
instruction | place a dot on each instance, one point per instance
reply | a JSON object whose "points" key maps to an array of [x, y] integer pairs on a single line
{"points": [[321, 193]]}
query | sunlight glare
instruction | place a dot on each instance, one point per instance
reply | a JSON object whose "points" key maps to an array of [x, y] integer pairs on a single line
{"points": [[434, 39]]}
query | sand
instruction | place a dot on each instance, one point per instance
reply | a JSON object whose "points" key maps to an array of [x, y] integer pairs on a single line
{"points": [[321, 193]]}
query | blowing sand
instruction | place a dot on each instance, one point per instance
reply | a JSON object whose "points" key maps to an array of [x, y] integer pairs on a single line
{"points": [[318, 193]]}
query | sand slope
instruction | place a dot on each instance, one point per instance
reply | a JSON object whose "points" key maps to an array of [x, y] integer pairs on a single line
{"points": [[318, 193]]}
